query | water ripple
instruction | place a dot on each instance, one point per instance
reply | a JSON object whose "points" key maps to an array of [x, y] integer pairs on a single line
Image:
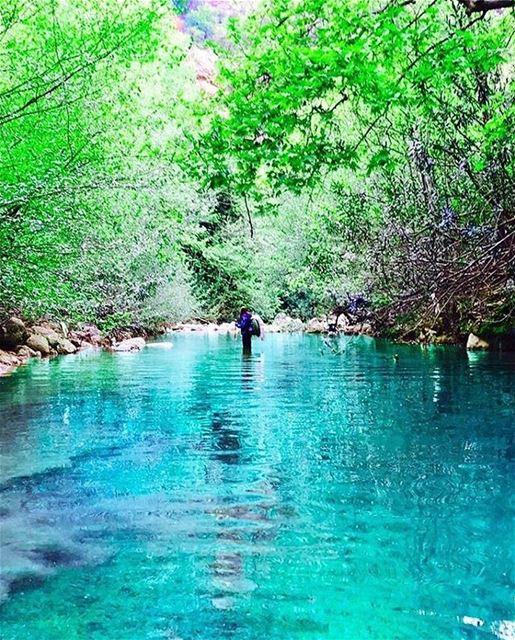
{"points": [[190, 492]]}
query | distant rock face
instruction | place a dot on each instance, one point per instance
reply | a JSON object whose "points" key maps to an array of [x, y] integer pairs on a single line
{"points": [[13, 333], [132, 344], [475, 342], [316, 326], [284, 324], [39, 343]]}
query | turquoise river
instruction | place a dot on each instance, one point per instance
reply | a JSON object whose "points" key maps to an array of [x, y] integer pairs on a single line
{"points": [[187, 492]]}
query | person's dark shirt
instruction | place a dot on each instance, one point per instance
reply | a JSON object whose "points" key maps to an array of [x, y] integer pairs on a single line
{"points": [[245, 323]]}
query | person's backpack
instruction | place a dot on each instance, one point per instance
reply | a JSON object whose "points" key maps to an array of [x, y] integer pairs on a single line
{"points": [[256, 327]]}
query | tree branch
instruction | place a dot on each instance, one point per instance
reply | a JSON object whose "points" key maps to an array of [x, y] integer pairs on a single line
{"points": [[248, 215], [482, 6]]}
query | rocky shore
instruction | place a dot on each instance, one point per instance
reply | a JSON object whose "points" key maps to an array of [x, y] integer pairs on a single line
{"points": [[282, 323], [20, 341]]}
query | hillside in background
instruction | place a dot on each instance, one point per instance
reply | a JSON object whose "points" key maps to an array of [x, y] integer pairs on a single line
{"points": [[207, 19]]}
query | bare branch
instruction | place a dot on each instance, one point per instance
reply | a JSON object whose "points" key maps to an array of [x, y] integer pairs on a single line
{"points": [[482, 6], [248, 215]]}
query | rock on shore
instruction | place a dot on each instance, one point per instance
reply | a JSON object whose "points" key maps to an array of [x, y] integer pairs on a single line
{"points": [[39, 343], [201, 327], [13, 333], [282, 323], [20, 342], [131, 344], [285, 324], [475, 342]]}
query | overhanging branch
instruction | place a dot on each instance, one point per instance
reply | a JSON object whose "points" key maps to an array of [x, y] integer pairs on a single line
{"points": [[482, 6]]}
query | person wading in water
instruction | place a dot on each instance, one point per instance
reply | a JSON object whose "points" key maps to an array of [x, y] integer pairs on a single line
{"points": [[249, 326]]}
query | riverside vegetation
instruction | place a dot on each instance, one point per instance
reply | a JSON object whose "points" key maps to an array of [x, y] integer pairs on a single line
{"points": [[160, 163]]}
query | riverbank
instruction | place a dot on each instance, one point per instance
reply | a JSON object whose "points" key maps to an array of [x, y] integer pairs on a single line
{"points": [[20, 341], [282, 323]]}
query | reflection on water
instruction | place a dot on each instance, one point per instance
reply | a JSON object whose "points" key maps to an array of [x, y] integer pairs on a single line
{"points": [[300, 493]]}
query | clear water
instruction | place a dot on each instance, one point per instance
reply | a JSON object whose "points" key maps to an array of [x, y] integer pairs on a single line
{"points": [[190, 493]]}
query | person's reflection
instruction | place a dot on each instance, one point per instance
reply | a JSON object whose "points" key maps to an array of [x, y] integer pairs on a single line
{"points": [[252, 371], [226, 439], [238, 522]]}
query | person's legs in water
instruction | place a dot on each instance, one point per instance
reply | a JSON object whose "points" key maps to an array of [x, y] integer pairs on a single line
{"points": [[246, 339], [244, 323]]}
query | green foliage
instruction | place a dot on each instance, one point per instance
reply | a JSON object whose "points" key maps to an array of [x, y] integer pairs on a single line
{"points": [[319, 86], [352, 146], [89, 210], [395, 116]]}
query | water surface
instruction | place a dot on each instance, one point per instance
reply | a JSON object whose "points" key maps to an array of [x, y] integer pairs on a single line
{"points": [[192, 493]]}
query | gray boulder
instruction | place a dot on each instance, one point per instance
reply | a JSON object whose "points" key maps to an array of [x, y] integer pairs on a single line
{"points": [[316, 326], [13, 333], [64, 346], [51, 335], [59, 327], [39, 343], [342, 324], [366, 329], [132, 344], [89, 333], [228, 327], [27, 352], [284, 324], [8, 359], [475, 342]]}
